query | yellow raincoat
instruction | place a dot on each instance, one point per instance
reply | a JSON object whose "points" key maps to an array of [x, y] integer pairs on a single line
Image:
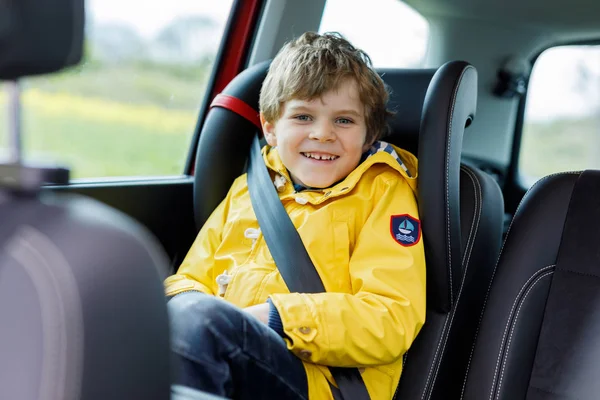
{"points": [[373, 271]]}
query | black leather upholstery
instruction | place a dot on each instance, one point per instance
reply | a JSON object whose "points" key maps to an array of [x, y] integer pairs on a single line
{"points": [[408, 88], [224, 144], [461, 209], [538, 337], [450, 103], [469, 208], [81, 303]]}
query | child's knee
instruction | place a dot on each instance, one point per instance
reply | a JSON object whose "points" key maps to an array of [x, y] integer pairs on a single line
{"points": [[196, 316]]}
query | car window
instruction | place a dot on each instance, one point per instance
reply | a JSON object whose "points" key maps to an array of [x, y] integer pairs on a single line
{"points": [[561, 129], [130, 108], [391, 32], [3, 120]]}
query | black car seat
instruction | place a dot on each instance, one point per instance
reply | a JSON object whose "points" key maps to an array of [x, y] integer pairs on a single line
{"points": [[81, 302], [82, 309], [539, 336], [461, 208]]}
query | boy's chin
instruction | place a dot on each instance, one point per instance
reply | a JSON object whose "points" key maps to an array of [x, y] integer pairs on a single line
{"points": [[317, 183]]}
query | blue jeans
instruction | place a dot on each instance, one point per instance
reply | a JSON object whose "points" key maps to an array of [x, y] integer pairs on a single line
{"points": [[220, 349]]}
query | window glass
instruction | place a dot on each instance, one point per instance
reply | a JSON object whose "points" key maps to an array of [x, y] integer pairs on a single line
{"points": [[130, 108], [562, 118], [3, 120], [391, 32]]}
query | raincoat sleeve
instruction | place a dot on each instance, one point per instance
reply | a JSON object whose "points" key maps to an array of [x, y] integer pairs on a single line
{"points": [[197, 269], [377, 323]]}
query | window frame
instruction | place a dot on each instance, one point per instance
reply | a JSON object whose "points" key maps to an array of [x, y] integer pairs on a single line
{"points": [[239, 33], [514, 176]]}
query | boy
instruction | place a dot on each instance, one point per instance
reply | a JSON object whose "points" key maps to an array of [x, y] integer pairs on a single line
{"points": [[352, 199]]}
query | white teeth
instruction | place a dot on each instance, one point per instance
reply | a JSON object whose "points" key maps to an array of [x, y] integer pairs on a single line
{"points": [[319, 157]]}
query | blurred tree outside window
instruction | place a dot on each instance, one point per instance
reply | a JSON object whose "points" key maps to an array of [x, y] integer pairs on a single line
{"points": [[561, 129], [130, 108]]}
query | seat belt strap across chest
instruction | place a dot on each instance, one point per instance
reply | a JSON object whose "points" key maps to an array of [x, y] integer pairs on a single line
{"points": [[290, 255]]}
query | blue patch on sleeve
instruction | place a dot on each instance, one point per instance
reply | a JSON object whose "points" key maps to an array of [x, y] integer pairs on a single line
{"points": [[405, 229]]}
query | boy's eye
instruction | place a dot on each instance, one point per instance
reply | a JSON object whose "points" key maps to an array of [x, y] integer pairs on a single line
{"points": [[302, 117], [344, 121]]}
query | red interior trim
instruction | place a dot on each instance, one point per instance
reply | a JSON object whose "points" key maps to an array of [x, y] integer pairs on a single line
{"points": [[237, 44], [232, 55], [237, 106]]}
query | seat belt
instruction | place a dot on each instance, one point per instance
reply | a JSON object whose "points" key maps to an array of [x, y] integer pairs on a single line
{"points": [[279, 232], [290, 255]]}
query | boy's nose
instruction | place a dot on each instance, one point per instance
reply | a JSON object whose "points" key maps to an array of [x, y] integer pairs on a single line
{"points": [[323, 133]]}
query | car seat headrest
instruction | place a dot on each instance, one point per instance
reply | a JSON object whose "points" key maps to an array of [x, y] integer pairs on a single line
{"points": [[449, 107], [407, 93], [39, 36]]}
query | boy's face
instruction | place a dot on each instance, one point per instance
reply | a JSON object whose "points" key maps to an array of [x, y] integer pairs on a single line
{"points": [[320, 141]]}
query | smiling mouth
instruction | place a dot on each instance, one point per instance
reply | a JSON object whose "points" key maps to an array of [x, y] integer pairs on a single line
{"points": [[320, 157]]}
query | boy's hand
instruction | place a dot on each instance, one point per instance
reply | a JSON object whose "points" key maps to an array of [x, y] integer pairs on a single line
{"points": [[260, 312]]}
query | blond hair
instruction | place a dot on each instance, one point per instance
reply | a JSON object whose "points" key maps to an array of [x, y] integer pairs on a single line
{"points": [[313, 64]]}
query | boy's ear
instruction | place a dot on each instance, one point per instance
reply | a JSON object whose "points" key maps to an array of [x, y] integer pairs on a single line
{"points": [[268, 131]]}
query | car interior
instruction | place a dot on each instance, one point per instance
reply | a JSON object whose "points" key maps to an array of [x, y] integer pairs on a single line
{"points": [[500, 104]]}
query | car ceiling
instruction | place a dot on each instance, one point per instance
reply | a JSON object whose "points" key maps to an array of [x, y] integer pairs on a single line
{"points": [[575, 15], [487, 33]]}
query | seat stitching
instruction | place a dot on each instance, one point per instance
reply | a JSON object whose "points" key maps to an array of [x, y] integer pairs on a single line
{"points": [[449, 244], [509, 322], [473, 221], [496, 267], [478, 190], [580, 273], [505, 356], [449, 247], [435, 356], [449, 147], [453, 313], [545, 390]]}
